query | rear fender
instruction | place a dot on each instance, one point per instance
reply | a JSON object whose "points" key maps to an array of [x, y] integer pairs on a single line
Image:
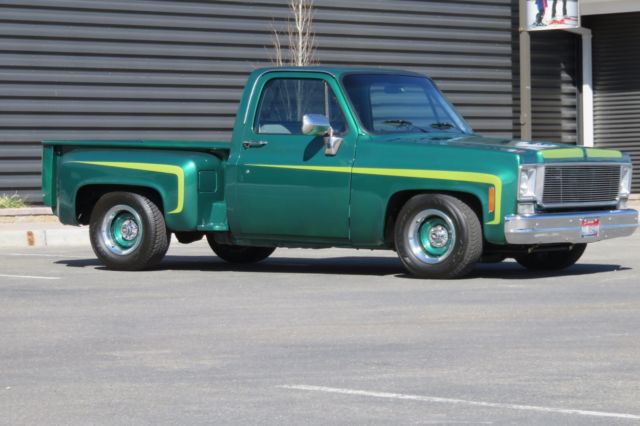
{"points": [[188, 183]]}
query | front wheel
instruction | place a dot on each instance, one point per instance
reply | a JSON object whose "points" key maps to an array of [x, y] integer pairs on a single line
{"points": [[239, 254], [438, 236], [552, 260], [128, 231]]}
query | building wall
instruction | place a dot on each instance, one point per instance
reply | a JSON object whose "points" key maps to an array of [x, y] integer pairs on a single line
{"points": [[105, 69], [598, 7]]}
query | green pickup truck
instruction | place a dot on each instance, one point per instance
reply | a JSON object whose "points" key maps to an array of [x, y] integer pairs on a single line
{"points": [[343, 157]]}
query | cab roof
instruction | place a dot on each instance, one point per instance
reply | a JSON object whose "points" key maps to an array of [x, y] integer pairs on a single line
{"points": [[337, 71]]}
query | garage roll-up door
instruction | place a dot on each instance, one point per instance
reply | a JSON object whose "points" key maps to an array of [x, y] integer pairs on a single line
{"points": [[616, 76], [553, 86]]}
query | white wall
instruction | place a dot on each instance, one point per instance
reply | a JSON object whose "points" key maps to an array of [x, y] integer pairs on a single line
{"points": [[601, 7]]}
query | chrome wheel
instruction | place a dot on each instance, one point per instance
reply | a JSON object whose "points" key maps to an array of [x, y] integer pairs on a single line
{"points": [[128, 231], [121, 229], [431, 236], [438, 236]]}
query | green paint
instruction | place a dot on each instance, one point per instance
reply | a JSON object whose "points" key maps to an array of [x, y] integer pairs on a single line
{"points": [[309, 168], [456, 176], [48, 176], [219, 147], [75, 173], [156, 168]]}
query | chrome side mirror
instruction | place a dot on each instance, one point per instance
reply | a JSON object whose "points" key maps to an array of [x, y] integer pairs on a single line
{"points": [[315, 124], [318, 125]]}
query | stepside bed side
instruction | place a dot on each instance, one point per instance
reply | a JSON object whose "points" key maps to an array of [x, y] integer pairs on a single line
{"points": [[188, 185]]}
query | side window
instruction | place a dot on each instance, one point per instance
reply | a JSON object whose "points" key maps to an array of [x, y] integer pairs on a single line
{"points": [[285, 101]]}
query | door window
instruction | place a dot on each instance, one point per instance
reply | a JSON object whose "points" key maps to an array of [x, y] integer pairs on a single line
{"points": [[286, 100]]}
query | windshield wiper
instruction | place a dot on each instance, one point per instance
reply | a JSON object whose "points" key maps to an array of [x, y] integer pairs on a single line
{"points": [[404, 123], [441, 125]]}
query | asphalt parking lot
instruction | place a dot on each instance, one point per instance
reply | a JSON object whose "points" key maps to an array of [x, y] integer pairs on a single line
{"points": [[317, 337]]}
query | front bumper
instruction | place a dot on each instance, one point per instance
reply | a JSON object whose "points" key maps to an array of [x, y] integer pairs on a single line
{"points": [[553, 228]]}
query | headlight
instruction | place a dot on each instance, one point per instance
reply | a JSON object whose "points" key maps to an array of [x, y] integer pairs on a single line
{"points": [[527, 183], [625, 181]]}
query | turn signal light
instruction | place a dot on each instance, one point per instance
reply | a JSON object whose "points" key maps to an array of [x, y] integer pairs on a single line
{"points": [[492, 199]]}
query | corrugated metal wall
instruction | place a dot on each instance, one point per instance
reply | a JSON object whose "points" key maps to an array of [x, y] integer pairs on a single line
{"points": [[163, 69], [616, 76]]}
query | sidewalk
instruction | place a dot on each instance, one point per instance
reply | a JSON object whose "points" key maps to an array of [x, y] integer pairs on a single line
{"points": [[36, 227]]}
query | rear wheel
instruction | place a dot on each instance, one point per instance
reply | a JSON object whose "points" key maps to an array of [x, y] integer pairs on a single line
{"points": [[239, 254], [128, 231], [492, 258], [438, 236], [552, 260]]}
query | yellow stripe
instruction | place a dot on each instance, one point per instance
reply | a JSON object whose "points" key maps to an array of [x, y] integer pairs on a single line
{"points": [[310, 168], [411, 173], [603, 153], [562, 153], [147, 167]]}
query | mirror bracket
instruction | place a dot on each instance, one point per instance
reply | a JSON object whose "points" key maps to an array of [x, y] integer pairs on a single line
{"points": [[331, 144]]}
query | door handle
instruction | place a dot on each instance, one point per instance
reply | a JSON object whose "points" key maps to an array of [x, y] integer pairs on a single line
{"points": [[253, 144]]}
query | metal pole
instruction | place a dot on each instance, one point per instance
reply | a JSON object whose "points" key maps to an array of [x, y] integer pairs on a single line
{"points": [[587, 89], [525, 75]]}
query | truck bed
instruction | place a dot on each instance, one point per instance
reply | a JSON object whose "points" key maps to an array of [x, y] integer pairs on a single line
{"points": [[218, 146], [170, 154]]}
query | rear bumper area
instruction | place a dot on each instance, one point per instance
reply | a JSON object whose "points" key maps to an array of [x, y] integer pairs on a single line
{"points": [[578, 227]]}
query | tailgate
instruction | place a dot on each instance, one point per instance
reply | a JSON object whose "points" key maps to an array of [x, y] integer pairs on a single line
{"points": [[49, 167]]}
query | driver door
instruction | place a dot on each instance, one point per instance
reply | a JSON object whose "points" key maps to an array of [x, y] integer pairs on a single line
{"points": [[287, 188]]}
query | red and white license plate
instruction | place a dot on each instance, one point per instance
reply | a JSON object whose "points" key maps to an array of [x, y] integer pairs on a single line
{"points": [[590, 227]]}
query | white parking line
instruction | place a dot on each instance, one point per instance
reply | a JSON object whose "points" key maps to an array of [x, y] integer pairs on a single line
{"points": [[38, 255], [30, 277], [389, 395]]}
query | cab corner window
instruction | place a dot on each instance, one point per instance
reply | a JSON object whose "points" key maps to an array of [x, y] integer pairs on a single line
{"points": [[285, 101]]}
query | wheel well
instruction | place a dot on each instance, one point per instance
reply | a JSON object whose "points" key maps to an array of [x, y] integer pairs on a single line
{"points": [[399, 199], [88, 196]]}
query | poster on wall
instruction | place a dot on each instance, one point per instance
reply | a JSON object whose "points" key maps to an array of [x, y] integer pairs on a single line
{"points": [[552, 14]]}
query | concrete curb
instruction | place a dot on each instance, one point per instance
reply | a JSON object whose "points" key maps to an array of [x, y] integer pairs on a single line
{"points": [[27, 211], [71, 236]]}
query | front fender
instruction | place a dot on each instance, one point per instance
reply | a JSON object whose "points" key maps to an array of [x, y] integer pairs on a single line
{"points": [[373, 188]]}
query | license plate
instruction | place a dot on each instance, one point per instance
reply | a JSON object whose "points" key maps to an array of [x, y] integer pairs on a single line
{"points": [[590, 227]]}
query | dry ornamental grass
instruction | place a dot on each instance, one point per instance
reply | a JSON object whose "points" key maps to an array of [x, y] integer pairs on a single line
{"points": [[11, 201], [300, 35]]}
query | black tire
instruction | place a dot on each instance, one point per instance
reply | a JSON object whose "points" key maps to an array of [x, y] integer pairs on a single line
{"points": [[492, 258], [419, 248], [128, 231], [552, 260], [239, 254]]}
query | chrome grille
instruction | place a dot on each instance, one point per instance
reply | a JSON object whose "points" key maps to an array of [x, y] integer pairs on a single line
{"points": [[584, 184]]}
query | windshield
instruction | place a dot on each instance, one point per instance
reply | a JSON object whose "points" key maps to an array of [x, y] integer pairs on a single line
{"points": [[387, 103]]}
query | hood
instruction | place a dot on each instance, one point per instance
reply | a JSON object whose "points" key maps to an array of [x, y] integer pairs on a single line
{"points": [[529, 151]]}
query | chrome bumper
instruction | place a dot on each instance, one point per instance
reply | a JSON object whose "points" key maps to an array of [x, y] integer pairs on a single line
{"points": [[556, 228]]}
